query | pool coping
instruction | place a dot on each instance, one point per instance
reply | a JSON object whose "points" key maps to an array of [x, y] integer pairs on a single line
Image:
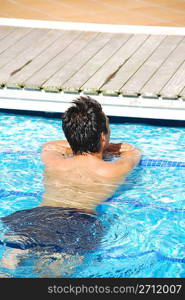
{"points": [[112, 105], [112, 28], [118, 105]]}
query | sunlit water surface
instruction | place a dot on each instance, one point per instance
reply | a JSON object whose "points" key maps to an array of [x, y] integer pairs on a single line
{"points": [[145, 217]]}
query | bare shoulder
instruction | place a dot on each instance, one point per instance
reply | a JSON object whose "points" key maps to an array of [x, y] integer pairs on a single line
{"points": [[55, 153]]}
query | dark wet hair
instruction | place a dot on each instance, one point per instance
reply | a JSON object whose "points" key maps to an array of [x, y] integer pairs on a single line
{"points": [[83, 124]]}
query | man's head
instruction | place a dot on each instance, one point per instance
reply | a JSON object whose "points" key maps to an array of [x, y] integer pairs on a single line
{"points": [[85, 126]]}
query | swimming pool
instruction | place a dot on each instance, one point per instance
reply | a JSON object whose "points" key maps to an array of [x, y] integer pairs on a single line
{"points": [[145, 217]]}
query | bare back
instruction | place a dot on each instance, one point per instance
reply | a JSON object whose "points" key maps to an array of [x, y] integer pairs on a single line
{"points": [[78, 182], [83, 181]]}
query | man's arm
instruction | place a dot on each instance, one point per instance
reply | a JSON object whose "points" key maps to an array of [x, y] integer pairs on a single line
{"points": [[54, 151], [117, 148], [129, 158]]}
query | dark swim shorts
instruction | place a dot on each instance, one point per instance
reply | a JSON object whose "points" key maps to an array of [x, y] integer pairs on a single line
{"points": [[52, 229]]}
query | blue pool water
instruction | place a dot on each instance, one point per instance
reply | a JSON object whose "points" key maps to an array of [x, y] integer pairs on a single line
{"points": [[145, 217]]}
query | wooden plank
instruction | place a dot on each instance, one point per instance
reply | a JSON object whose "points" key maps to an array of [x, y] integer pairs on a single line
{"points": [[138, 56], [182, 94], [75, 83], [57, 81], [175, 86], [149, 67], [94, 84], [153, 87], [12, 38], [23, 51], [35, 48], [20, 78], [5, 30], [73, 48]]}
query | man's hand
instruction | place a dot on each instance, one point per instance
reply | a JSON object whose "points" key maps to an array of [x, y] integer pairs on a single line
{"points": [[118, 148]]}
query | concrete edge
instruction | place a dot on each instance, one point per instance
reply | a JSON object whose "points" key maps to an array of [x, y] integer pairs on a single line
{"points": [[113, 106], [164, 30]]}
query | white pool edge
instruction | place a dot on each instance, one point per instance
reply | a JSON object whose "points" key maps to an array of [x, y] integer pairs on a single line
{"points": [[112, 106], [164, 30]]}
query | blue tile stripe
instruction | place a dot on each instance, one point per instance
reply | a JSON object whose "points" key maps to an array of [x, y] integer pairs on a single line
{"points": [[133, 202], [138, 204], [161, 163], [107, 254], [4, 193], [144, 162], [19, 152]]}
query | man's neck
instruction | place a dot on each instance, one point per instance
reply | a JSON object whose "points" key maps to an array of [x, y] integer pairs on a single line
{"points": [[98, 155]]}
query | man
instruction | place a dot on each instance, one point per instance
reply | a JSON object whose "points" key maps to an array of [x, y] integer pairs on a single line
{"points": [[76, 179], [75, 173]]}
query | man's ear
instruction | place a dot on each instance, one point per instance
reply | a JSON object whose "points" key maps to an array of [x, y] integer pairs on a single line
{"points": [[103, 138], [104, 141]]}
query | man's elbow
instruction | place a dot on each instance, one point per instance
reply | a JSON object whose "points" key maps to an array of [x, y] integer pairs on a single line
{"points": [[44, 147], [138, 155], [134, 157], [139, 152]]}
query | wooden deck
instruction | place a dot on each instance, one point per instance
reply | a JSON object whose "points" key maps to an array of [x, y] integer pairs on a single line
{"points": [[74, 61]]}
